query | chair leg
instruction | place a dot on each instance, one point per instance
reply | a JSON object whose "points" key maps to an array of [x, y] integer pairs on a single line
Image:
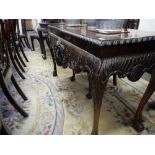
{"points": [[14, 63], [22, 42], [8, 63], [32, 43], [18, 88], [19, 56], [23, 53], [40, 43], [6, 69], [114, 79], [27, 43], [9, 97], [17, 69], [42, 46], [47, 42], [19, 64]]}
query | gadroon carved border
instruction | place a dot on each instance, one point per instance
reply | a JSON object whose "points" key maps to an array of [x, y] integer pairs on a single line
{"points": [[132, 66]]}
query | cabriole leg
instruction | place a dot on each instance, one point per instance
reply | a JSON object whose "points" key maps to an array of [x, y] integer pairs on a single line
{"points": [[98, 90], [137, 123]]}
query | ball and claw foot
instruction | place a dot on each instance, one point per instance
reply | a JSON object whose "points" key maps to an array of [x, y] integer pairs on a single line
{"points": [[54, 73], [138, 125], [89, 96], [72, 78]]}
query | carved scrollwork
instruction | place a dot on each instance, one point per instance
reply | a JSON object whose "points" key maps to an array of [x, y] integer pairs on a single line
{"points": [[61, 55], [137, 72], [132, 67], [64, 59]]}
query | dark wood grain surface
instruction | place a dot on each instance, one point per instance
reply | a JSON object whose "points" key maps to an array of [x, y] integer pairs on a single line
{"points": [[84, 31]]}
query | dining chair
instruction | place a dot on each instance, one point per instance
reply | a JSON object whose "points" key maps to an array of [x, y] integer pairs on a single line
{"points": [[44, 37], [42, 29], [13, 52], [17, 37], [35, 36], [3, 50]]}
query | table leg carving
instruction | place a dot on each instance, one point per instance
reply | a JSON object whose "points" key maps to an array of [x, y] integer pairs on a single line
{"points": [[42, 46], [47, 42], [137, 123], [68, 55], [54, 62]]}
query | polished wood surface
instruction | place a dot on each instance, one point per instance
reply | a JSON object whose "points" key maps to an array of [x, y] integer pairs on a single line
{"points": [[95, 42], [90, 33]]}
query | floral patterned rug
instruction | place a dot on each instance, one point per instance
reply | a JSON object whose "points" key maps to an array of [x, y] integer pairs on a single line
{"points": [[58, 106]]}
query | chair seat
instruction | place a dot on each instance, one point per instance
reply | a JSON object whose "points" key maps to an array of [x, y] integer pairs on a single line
{"points": [[40, 39]]}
